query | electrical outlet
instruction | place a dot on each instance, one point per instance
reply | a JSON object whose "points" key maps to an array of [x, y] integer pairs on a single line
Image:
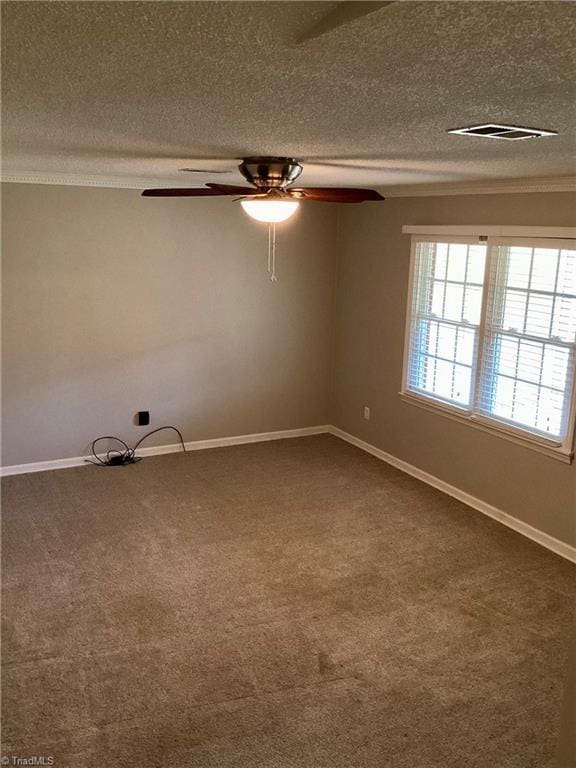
{"points": [[367, 413], [142, 419]]}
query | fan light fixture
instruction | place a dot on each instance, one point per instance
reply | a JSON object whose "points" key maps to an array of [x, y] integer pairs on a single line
{"points": [[270, 211], [270, 198]]}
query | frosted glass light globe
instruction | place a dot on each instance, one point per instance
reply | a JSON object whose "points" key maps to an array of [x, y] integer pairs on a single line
{"points": [[270, 211]]}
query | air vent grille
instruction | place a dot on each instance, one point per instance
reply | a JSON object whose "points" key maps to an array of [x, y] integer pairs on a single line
{"points": [[508, 132]]}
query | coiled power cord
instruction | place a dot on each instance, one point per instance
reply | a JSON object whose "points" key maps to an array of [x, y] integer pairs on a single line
{"points": [[119, 458]]}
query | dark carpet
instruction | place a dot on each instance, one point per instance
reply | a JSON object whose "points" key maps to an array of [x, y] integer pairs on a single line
{"points": [[292, 604]]}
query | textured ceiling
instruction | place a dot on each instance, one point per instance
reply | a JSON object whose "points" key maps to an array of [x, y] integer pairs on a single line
{"points": [[142, 89]]}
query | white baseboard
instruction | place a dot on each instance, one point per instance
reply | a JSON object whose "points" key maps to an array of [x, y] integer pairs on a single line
{"points": [[557, 546], [157, 450]]}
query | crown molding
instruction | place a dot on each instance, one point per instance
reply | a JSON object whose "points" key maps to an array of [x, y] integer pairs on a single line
{"points": [[87, 180], [476, 187], [483, 187]]}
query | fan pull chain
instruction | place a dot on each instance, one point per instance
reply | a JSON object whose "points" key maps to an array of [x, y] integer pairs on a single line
{"points": [[272, 252]]}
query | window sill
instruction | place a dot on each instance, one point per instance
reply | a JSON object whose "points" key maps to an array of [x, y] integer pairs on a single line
{"points": [[552, 451]]}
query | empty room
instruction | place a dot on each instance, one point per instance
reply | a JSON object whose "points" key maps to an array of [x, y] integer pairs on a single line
{"points": [[288, 384]]}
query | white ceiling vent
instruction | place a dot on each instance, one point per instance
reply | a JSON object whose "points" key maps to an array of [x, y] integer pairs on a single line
{"points": [[508, 132]]}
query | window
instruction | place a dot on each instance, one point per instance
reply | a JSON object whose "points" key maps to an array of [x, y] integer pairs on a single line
{"points": [[491, 334]]}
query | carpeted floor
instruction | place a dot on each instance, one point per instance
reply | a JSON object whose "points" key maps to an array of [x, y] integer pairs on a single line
{"points": [[293, 604]]}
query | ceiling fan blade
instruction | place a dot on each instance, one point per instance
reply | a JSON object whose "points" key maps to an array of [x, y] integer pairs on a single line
{"points": [[345, 12], [229, 189], [207, 171], [338, 194], [184, 192]]}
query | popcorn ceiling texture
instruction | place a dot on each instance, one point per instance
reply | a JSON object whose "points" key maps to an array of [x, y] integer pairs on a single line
{"points": [[143, 89]]}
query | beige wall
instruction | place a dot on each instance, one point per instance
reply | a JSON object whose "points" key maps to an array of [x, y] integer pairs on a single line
{"points": [[370, 316], [114, 303]]}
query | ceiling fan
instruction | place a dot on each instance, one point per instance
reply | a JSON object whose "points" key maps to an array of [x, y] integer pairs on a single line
{"points": [[343, 13], [271, 198]]}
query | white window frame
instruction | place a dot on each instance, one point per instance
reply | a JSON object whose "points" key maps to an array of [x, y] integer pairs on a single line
{"points": [[492, 236]]}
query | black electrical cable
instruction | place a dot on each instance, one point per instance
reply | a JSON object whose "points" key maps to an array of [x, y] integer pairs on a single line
{"points": [[98, 460], [117, 458]]}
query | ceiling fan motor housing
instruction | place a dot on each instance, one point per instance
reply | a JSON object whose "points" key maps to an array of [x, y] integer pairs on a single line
{"points": [[270, 172]]}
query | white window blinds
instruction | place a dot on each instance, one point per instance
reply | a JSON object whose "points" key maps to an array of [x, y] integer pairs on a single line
{"points": [[529, 338], [448, 284], [492, 332]]}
